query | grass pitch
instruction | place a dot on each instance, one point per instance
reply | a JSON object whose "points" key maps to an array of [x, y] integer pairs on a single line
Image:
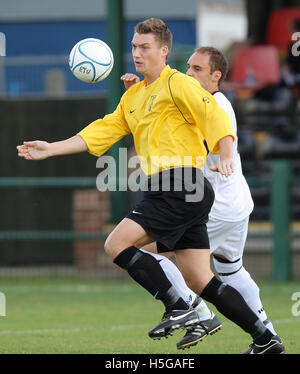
{"points": [[66, 315]]}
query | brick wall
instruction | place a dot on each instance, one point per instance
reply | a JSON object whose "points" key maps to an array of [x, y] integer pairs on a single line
{"points": [[91, 213]]}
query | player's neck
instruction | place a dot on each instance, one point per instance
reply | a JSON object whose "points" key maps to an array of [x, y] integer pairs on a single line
{"points": [[213, 89], [153, 75]]}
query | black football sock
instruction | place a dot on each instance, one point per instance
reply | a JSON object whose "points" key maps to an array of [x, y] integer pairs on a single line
{"points": [[232, 305], [146, 271]]}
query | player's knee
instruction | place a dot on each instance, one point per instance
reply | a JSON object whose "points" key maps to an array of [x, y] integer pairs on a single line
{"points": [[112, 247], [225, 267], [107, 247], [198, 282]]}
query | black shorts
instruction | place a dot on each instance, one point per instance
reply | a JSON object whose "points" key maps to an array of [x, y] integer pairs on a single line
{"points": [[170, 220]]}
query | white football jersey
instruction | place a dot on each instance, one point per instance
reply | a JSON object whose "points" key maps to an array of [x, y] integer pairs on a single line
{"points": [[233, 201]]}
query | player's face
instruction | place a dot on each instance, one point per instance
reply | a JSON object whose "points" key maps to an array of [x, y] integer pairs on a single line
{"points": [[148, 55], [199, 68]]}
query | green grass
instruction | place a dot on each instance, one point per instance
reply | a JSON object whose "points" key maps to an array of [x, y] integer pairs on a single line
{"points": [[93, 316]]}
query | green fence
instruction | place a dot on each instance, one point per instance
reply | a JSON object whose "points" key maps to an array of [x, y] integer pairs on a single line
{"points": [[280, 235]]}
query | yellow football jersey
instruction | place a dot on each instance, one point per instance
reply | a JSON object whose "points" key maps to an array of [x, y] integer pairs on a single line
{"points": [[169, 120]]}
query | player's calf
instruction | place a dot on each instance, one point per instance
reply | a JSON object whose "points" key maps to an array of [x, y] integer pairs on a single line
{"points": [[231, 304]]}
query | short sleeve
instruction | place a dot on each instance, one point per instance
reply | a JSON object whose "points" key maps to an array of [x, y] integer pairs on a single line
{"points": [[199, 107], [101, 134]]}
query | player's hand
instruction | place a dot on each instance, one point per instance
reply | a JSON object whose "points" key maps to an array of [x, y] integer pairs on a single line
{"points": [[129, 79], [225, 167], [35, 150]]}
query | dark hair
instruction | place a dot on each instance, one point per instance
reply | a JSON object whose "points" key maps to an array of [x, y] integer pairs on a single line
{"points": [[296, 25], [217, 61], [157, 27]]}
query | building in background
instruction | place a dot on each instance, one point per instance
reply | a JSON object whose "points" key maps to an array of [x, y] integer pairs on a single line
{"points": [[221, 23], [41, 99], [40, 35]]}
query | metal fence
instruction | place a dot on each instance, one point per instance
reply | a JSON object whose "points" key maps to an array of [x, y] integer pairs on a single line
{"points": [[71, 242], [44, 76]]}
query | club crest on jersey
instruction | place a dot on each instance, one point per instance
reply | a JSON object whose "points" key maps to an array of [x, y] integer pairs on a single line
{"points": [[206, 100], [151, 101]]}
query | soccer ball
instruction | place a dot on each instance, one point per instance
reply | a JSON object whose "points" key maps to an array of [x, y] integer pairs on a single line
{"points": [[91, 60]]}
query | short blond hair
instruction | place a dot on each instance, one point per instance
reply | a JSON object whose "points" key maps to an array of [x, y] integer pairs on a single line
{"points": [[158, 28]]}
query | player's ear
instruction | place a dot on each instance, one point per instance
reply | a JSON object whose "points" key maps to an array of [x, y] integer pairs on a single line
{"points": [[216, 75], [165, 51]]}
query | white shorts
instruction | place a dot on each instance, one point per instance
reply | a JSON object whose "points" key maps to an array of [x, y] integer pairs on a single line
{"points": [[227, 238]]}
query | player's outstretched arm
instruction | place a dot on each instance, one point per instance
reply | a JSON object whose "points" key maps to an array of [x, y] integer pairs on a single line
{"points": [[40, 150]]}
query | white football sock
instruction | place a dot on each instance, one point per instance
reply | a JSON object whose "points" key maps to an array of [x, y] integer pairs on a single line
{"points": [[203, 311], [175, 277], [245, 285]]}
